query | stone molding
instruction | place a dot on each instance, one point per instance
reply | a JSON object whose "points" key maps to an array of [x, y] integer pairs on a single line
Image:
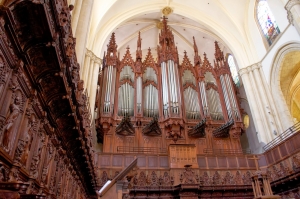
{"points": [[291, 3], [93, 57], [250, 68]]}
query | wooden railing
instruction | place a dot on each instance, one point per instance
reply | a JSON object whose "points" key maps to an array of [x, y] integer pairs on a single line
{"points": [[226, 151], [154, 150], [282, 137]]}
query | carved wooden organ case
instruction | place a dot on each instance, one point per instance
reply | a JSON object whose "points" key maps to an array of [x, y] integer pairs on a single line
{"points": [[151, 103]]}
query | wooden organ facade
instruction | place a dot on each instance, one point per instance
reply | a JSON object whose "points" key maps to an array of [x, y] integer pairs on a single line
{"points": [[176, 103]]}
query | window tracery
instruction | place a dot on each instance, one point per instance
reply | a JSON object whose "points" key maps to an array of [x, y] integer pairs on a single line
{"points": [[267, 21]]}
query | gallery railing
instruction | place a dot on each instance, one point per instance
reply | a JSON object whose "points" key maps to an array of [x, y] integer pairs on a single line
{"points": [[283, 136]]}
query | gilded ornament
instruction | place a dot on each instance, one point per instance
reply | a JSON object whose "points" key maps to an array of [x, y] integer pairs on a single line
{"points": [[166, 11]]}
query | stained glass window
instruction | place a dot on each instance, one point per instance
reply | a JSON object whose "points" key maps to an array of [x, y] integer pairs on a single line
{"points": [[267, 21], [233, 70]]}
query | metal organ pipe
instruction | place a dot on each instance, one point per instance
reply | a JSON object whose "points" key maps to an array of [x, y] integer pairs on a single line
{"points": [[203, 98], [233, 100], [114, 71], [227, 101]]}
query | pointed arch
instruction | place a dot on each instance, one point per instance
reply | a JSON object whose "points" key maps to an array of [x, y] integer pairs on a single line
{"points": [[233, 69], [275, 83]]}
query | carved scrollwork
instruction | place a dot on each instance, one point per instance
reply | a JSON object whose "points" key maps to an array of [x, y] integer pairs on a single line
{"points": [[188, 176]]}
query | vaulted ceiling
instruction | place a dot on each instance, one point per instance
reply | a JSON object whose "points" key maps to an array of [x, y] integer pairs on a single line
{"points": [[231, 23]]}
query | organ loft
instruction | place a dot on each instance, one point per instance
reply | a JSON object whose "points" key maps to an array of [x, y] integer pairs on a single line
{"points": [[162, 123], [161, 104]]}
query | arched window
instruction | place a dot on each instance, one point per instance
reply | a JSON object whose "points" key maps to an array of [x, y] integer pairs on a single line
{"points": [[233, 70], [267, 21]]}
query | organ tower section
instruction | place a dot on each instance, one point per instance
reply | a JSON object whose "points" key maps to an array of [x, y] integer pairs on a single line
{"points": [[156, 104]]}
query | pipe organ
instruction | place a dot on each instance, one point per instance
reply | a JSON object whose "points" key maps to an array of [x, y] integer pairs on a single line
{"points": [[157, 103]]}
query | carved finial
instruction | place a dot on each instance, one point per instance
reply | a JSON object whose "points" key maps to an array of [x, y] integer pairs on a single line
{"points": [[112, 42], [139, 41], [218, 53], [139, 50], [195, 47], [111, 57], [164, 21], [197, 58]]}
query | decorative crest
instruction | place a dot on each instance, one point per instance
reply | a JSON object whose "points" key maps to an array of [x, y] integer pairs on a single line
{"points": [[218, 53], [152, 129], [186, 63], [198, 131], [223, 131], [111, 56], [206, 63], [127, 59], [125, 128]]}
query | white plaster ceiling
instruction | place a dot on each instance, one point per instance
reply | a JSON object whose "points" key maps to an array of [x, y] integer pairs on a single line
{"points": [[183, 29]]}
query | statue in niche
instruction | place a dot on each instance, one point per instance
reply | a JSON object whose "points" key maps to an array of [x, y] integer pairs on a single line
{"points": [[19, 150], [28, 141], [50, 152], [10, 121], [104, 178], [3, 173], [35, 163]]}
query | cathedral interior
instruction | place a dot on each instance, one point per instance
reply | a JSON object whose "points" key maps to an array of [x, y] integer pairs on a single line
{"points": [[160, 99]]}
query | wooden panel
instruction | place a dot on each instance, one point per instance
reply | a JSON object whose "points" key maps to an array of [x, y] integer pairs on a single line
{"points": [[269, 157], [182, 154], [152, 161], [283, 150], [290, 146], [105, 160], [128, 160], [117, 160], [242, 162], [212, 162], [164, 161], [251, 163], [276, 154], [262, 161], [222, 162], [141, 161], [232, 162], [297, 139], [201, 162]]}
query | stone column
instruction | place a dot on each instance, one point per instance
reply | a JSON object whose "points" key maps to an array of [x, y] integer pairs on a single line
{"points": [[265, 107], [89, 76], [83, 69], [93, 87], [253, 98], [83, 25], [293, 13], [75, 15]]}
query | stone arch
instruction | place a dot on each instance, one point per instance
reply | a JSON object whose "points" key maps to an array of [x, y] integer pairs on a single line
{"points": [[276, 74]]}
